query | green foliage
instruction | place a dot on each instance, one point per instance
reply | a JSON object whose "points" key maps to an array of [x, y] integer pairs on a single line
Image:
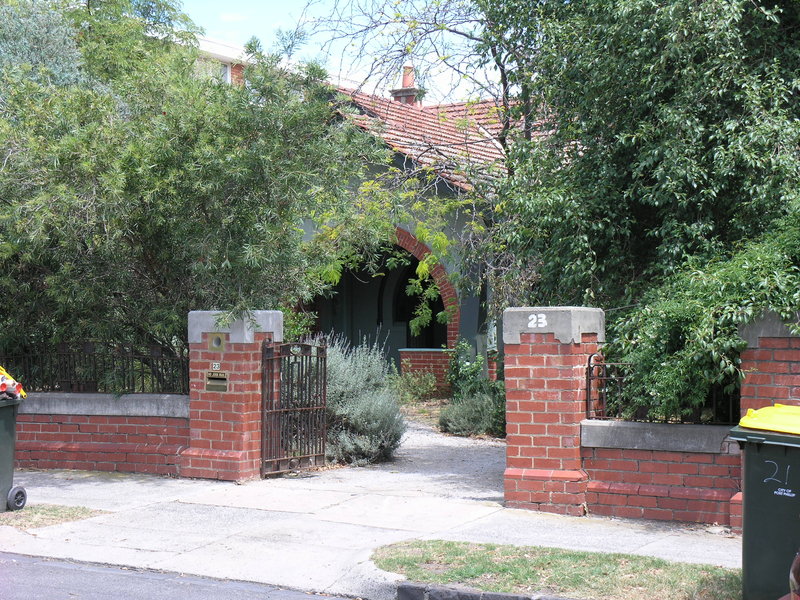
{"points": [[673, 133], [364, 420], [415, 386], [683, 340], [297, 323], [127, 38], [465, 371], [147, 191], [478, 414], [35, 36], [665, 178], [478, 404]]}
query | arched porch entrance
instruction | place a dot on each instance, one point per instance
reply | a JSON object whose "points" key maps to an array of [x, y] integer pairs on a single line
{"points": [[363, 305]]}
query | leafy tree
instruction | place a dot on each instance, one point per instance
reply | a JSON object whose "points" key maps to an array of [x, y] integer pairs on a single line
{"points": [[672, 133], [41, 38], [665, 188], [119, 37], [147, 191], [683, 341]]}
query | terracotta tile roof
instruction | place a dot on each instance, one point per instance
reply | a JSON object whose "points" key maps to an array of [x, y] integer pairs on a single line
{"points": [[450, 138], [485, 113]]}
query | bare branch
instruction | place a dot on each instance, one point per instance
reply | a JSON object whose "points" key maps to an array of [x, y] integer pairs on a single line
{"points": [[375, 38]]}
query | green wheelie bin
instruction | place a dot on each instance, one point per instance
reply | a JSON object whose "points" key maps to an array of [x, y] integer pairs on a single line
{"points": [[770, 438], [11, 394]]}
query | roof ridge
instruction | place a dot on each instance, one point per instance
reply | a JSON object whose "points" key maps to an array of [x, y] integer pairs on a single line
{"points": [[432, 136]]}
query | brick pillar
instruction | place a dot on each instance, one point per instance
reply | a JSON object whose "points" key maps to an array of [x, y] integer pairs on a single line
{"points": [[771, 364], [492, 361], [546, 352], [225, 395]]}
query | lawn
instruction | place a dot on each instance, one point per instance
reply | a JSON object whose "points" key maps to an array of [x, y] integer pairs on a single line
{"points": [[529, 570], [42, 515]]}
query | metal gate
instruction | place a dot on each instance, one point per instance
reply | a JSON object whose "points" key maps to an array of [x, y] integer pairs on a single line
{"points": [[294, 384]]}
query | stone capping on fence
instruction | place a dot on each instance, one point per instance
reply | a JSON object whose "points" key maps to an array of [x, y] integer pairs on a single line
{"points": [[91, 404], [770, 325], [432, 350], [566, 323], [663, 437], [242, 331]]}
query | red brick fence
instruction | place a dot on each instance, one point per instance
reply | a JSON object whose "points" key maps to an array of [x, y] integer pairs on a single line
{"points": [[214, 433], [557, 461], [138, 433]]}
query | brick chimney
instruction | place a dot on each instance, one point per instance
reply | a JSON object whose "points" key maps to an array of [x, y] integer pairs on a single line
{"points": [[408, 92]]}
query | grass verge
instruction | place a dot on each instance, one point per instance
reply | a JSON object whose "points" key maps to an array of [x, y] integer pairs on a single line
{"points": [[42, 515], [529, 570]]}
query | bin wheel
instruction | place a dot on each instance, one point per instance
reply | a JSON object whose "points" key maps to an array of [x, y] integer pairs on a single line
{"points": [[17, 498]]}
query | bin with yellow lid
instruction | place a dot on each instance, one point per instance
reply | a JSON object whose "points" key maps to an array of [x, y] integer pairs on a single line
{"points": [[11, 394], [770, 439]]}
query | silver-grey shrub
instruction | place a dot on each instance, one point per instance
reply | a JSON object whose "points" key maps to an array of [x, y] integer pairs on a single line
{"points": [[36, 35], [364, 420], [478, 414]]}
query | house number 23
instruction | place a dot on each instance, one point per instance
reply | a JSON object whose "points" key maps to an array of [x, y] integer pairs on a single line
{"points": [[537, 320]]}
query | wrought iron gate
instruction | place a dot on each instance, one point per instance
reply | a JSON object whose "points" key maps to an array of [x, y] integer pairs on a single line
{"points": [[293, 399]]}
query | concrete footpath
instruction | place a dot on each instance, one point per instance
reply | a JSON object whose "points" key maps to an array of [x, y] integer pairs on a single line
{"points": [[317, 531]]}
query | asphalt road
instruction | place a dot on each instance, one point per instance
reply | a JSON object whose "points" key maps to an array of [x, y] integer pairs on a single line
{"points": [[31, 578]]}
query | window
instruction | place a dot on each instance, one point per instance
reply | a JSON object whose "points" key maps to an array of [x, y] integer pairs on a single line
{"points": [[225, 72]]}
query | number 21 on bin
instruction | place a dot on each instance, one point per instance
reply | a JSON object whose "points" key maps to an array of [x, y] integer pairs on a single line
{"points": [[773, 477]]}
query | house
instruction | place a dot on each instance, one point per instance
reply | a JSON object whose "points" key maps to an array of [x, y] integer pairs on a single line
{"points": [[448, 141], [222, 60]]}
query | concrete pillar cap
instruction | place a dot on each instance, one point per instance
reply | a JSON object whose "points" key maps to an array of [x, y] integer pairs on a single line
{"points": [[567, 323], [241, 330], [770, 324]]}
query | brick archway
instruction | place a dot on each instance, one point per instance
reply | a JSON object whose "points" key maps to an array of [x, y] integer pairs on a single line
{"points": [[408, 241]]}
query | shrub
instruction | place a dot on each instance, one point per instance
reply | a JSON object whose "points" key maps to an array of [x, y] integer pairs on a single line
{"points": [[465, 372], [683, 340], [413, 386], [370, 429], [364, 420], [297, 323], [482, 413], [479, 404]]}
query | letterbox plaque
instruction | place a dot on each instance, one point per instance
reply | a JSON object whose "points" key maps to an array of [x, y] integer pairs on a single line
{"points": [[216, 381]]}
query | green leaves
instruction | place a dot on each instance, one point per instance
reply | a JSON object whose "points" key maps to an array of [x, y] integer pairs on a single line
{"points": [[150, 190], [665, 178], [47, 58], [673, 125], [684, 339]]}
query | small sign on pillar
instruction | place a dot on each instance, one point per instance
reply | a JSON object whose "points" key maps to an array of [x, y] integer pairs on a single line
{"points": [[216, 381]]}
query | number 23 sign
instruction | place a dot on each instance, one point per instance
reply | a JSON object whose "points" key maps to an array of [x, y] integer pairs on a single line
{"points": [[537, 320]]}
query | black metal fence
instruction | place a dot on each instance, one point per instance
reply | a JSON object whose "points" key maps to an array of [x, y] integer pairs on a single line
{"points": [[95, 367], [605, 385], [294, 390]]}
